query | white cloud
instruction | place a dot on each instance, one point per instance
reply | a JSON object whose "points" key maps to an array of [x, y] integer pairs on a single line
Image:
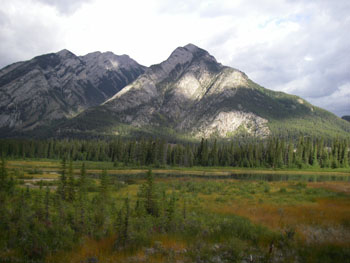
{"points": [[308, 58]]}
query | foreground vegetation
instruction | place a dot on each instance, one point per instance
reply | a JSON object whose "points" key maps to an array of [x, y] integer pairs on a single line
{"points": [[55, 212]]}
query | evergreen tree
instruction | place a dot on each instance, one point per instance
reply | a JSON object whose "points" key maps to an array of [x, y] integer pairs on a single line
{"points": [[214, 160], [315, 162], [82, 181], [299, 152], [3, 175], [82, 199], [150, 195], [184, 210], [290, 154], [7, 185], [62, 188], [38, 206], [324, 158], [123, 221], [199, 153], [278, 154], [205, 153], [345, 159], [47, 204], [71, 183], [335, 161], [125, 235], [104, 186], [119, 225], [170, 211]]}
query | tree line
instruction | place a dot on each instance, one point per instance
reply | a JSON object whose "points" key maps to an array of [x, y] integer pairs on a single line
{"points": [[273, 152]]}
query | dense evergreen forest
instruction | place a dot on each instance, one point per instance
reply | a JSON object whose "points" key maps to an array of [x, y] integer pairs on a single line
{"points": [[271, 153]]}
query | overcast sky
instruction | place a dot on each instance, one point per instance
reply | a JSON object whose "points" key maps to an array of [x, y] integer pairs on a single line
{"points": [[300, 47]]}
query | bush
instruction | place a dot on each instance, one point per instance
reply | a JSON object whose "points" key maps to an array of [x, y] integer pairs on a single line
{"points": [[35, 171], [283, 190]]}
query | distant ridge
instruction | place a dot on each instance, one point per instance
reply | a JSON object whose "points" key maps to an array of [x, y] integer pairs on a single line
{"points": [[188, 96], [191, 95], [346, 117], [60, 85]]}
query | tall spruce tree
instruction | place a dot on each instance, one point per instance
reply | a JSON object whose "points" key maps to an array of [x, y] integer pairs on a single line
{"points": [[214, 160], [47, 204], [315, 162], [82, 198], [345, 158], [205, 154], [123, 224], [104, 186], [62, 188], [71, 183], [3, 175], [150, 195], [290, 154]]}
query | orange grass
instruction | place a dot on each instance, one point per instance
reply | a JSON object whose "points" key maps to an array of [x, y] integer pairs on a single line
{"points": [[104, 251], [170, 242], [324, 213], [342, 187], [29, 163]]}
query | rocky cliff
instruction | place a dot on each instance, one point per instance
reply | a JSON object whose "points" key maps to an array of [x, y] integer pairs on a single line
{"points": [[192, 94], [189, 95], [60, 85]]}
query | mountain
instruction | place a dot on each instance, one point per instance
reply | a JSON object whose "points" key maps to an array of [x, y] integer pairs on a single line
{"points": [[191, 95], [60, 85], [346, 117]]}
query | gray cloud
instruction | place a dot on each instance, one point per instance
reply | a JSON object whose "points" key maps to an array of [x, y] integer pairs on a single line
{"points": [[25, 38], [66, 7], [312, 62], [337, 102]]}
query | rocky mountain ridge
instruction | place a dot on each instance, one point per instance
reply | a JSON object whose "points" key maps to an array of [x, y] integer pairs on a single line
{"points": [[189, 95], [192, 94], [60, 85]]}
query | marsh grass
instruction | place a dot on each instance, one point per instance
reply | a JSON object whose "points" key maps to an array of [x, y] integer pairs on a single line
{"points": [[218, 215]]}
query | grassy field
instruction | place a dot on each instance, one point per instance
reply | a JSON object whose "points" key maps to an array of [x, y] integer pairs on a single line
{"points": [[295, 216], [54, 165]]}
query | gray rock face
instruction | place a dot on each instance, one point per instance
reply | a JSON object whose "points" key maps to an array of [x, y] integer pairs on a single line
{"points": [[188, 92], [60, 85]]}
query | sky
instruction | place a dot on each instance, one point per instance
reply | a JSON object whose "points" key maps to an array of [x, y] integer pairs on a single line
{"points": [[301, 47]]}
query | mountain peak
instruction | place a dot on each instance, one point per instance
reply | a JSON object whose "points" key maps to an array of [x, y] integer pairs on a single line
{"points": [[191, 94], [191, 47], [65, 53], [110, 61], [60, 85], [185, 55]]}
